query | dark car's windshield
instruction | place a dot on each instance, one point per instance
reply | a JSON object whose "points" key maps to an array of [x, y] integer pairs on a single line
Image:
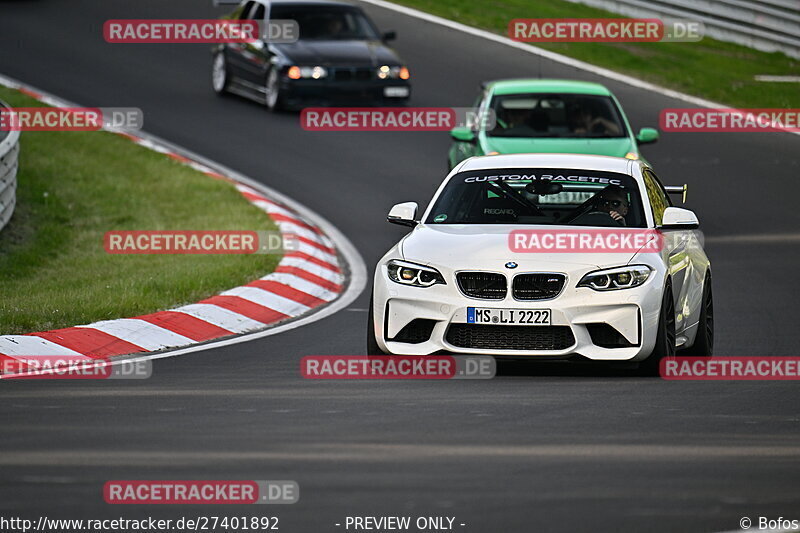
{"points": [[540, 196], [557, 115], [327, 22]]}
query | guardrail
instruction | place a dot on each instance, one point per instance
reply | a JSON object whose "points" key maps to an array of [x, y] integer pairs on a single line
{"points": [[9, 162], [767, 25]]}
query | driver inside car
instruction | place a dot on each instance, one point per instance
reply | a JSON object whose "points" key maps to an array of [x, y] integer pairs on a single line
{"points": [[614, 201]]}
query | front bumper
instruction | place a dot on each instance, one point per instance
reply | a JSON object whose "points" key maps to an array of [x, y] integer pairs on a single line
{"points": [[632, 313], [327, 92]]}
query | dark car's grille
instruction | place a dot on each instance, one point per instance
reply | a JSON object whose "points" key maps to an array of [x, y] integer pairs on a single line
{"points": [[352, 74], [539, 286], [485, 285], [492, 337], [415, 332]]}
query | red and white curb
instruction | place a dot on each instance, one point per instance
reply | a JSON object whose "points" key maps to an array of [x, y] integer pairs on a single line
{"points": [[325, 272]]}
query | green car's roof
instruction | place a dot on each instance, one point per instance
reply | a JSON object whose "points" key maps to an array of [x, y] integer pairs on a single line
{"points": [[532, 85]]}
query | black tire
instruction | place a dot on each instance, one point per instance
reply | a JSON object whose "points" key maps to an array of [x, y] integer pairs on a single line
{"points": [[665, 340], [273, 96], [220, 76], [372, 343], [704, 341]]}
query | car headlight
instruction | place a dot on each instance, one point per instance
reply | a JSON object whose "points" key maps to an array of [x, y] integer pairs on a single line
{"points": [[315, 73], [612, 279], [406, 273], [386, 72]]}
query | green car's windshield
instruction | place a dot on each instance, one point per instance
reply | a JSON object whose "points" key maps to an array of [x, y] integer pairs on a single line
{"points": [[540, 196], [557, 115]]}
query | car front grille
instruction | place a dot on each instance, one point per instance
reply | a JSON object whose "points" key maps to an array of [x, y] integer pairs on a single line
{"points": [[491, 337], [352, 74], [483, 285], [538, 286]]}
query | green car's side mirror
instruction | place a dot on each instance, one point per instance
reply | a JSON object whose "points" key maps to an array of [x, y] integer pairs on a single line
{"points": [[647, 136], [462, 134]]}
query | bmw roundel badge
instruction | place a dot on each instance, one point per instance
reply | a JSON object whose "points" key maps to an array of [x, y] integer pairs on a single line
{"points": [[511, 264]]}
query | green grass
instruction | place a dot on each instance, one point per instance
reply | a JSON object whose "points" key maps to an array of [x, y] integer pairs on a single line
{"points": [[72, 188], [711, 69]]}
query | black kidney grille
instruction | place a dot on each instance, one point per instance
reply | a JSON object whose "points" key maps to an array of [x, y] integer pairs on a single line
{"points": [[350, 74], [539, 286], [484, 285], [491, 337]]}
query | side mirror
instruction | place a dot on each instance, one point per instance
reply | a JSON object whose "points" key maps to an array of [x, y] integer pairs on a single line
{"points": [[404, 214], [389, 36], [462, 134], [679, 218], [647, 136]]}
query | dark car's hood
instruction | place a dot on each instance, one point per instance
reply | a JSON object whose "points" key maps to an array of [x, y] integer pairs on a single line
{"points": [[344, 53]]}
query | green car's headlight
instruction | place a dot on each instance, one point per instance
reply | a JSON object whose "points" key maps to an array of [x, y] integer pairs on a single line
{"points": [[406, 273], [613, 279]]}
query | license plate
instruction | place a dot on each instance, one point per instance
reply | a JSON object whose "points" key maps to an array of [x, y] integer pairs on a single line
{"points": [[395, 92], [520, 317]]}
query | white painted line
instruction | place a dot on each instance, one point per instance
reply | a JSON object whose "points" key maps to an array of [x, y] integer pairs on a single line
{"points": [[754, 238], [296, 282], [221, 317], [778, 79], [141, 333], [31, 346]]}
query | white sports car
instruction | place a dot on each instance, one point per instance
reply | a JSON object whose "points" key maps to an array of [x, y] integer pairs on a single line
{"points": [[546, 256]]}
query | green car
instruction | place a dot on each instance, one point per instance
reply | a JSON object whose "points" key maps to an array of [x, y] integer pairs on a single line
{"points": [[548, 116]]}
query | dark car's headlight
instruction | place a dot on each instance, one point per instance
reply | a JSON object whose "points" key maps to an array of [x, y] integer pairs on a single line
{"points": [[386, 72], [406, 273], [315, 73], [612, 279]]}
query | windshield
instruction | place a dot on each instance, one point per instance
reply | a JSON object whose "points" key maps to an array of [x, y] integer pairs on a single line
{"points": [[557, 115], [321, 22], [540, 196]]}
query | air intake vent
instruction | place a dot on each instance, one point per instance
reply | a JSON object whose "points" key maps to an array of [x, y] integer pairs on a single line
{"points": [[490, 337]]}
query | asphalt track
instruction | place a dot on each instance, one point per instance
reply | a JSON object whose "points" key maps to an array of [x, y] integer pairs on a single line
{"points": [[539, 449]]}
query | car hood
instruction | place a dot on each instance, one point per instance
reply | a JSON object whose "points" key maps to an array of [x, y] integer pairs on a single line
{"points": [[486, 247], [617, 147], [346, 53]]}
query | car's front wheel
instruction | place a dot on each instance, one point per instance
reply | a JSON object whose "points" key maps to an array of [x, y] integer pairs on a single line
{"points": [[372, 342], [665, 338], [220, 79], [273, 96], [704, 341]]}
